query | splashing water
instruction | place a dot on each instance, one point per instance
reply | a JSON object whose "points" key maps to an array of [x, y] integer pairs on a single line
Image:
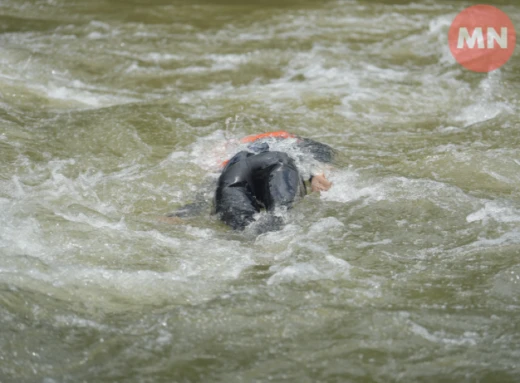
{"points": [[114, 114]]}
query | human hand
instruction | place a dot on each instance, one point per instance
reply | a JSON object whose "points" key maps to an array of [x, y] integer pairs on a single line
{"points": [[320, 183]]}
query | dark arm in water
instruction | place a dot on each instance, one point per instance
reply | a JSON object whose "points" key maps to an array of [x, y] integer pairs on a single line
{"points": [[320, 152]]}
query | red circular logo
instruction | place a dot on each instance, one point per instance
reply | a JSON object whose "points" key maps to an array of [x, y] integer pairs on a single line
{"points": [[482, 38]]}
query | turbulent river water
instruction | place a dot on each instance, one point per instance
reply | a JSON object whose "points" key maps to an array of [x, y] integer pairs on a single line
{"points": [[115, 113]]}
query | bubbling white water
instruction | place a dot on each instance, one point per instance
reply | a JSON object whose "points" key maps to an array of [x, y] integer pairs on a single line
{"points": [[113, 116]]}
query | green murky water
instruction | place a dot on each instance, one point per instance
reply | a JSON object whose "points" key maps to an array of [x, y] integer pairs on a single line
{"points": [[114, 113]]}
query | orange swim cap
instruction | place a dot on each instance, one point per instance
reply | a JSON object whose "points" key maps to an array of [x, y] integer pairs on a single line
{"points": [[278, 134]]}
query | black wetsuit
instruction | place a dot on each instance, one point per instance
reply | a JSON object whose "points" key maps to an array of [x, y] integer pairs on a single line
{"points": [[262, 179]]}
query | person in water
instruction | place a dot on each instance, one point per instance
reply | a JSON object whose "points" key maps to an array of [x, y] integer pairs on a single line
{"points": [[265, 176], [260, 177]]}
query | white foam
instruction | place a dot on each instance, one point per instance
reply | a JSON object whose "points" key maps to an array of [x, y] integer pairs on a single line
{"points": [[347, 187], [212, 151], [35, 78], [70, 320], [94, 221], [19, 235], [497, 211], [228, 61], [81, 95], [299, 272], [325, 225], [509, 238], [328, 267], [160, 57], [485, 108], [468, 338]]}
